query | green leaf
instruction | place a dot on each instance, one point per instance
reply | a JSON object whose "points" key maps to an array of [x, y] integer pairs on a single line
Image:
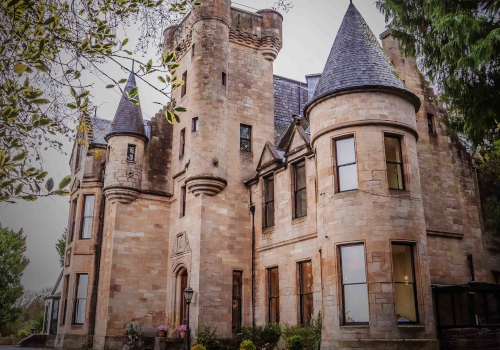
{"points": [[12, 3], [61, 192], [42, 176], [110, 86], [162, 79], [49, 21], [170, 117], [19, 157], [127, 51], [19, 68], [134, 101], [45, 121], [49, 185], [18, 190], [41, 101], [72, 106], [177, 119], [30, 198], [181, 109], [122, 81], [133, 93], [125, 42], [65, 182]]}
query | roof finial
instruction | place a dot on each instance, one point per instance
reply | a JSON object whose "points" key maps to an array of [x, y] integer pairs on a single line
{"points": [[133, 61]]}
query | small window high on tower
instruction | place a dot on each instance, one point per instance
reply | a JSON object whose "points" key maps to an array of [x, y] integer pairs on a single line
{"points": [[184, 87]]}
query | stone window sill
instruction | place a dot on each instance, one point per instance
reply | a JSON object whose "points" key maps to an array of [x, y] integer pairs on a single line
{"points": [[268, 230], [418, 326], [356, 326], [299, 220]]}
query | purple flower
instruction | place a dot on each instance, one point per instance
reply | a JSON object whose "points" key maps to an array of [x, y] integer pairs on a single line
{"points": [[183, 328], [162, 329]]}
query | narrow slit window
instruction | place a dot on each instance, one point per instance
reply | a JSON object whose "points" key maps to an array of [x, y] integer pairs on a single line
{"points": [[347, 169], [73, 220], [300, 192], [306, 292], [245, 138], [273, 296], [65, 306], [88, 216], [78, 155], [269, 202], [183, 201], [354, 287], [82, 280], [224, 79], [430, 123], [404, 283], [182, 145], [131, 153], [184, 87], [193, 50], [237, 298], [195, 124], [394, 160]]}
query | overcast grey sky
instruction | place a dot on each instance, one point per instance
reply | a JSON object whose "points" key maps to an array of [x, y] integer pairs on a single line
{"points": [[309, 30]]}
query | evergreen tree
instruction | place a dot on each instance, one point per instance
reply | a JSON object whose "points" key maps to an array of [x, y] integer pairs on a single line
{"points": [[457, 44], [12, 264]]}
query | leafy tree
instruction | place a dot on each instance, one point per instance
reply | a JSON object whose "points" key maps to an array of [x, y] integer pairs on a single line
{"points": [[457, 43], [61, 247], [45, 47], [12, 264]]}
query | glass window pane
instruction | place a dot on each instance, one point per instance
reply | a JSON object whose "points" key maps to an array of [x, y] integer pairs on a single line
{"points": [[270, 214], [274, 289], [80, 311], [245, 145], [348, 177], [392, 149], [356, 303], [405, 302], [87, 228], [461, 309], [89, 205], [307, 308], [82, 286], [306, 277], [345, 151], [401, 260], [300, 176], [353, 264], [395, 176], [270, 189], [55, 309], [301, 203], [236, 312], [237, 284], [274, 311], [244, 132]]}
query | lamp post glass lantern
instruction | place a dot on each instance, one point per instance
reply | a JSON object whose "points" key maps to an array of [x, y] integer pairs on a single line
{"points": [[188, 295]]}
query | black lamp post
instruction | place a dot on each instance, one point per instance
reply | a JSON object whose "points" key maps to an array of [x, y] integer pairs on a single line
{"points": [[188, 295]]}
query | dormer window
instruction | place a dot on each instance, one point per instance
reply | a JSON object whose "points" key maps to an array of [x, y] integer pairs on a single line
{"points": [[131, 153]]}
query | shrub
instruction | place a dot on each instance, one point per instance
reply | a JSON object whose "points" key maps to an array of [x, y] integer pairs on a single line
{"points": [[295, 343], [207, 338], [263, 337], [198, 347], [311, 334], [133, 331], [247, 345], [23, 334]]}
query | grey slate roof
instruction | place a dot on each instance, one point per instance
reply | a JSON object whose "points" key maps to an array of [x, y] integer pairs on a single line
{"points": [[357, 60], [128, 117], [100, 127]]}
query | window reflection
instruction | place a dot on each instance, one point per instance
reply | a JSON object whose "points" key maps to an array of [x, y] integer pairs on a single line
{"points": [[347, 170], [404, 283]]}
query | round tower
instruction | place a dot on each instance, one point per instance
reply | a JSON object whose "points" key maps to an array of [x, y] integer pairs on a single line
{"points": [[371, 224], [126, 141]]}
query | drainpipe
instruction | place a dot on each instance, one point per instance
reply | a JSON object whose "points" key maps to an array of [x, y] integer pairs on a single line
{"points": [[97, 266], [252, 210]]}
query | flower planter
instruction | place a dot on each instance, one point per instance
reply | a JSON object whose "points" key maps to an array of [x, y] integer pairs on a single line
{"points": [[161, 334], [183, 334]]}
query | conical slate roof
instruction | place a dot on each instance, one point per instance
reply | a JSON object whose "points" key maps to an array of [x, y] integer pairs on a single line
{"points": [[358, 61], [128, 117]]}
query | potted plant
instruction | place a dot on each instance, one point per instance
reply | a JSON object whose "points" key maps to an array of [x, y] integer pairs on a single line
{"points": [[162, 330], [183, 329]]}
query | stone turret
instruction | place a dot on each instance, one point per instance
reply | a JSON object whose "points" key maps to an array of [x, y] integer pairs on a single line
{"points": [[363, 128], [126, 150]]}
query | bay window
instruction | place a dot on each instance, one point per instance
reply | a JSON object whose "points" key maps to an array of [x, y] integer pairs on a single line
{"points": [[404, 283]]}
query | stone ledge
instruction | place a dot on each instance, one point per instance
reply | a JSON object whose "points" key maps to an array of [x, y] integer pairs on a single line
{"points": [[445, 234], [205, 184]]}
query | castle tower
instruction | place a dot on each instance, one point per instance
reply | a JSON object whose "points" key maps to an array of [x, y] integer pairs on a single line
{"points": [[126, 150], [216, 148], [371, 225]]}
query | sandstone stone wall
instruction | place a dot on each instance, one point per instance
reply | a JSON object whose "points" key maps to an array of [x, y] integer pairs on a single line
{"points": [[449, 193]]}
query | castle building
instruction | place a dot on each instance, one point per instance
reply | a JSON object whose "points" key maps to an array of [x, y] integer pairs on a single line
{"points": [[277, 201]]}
